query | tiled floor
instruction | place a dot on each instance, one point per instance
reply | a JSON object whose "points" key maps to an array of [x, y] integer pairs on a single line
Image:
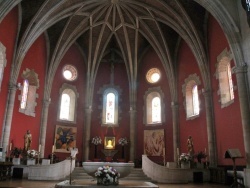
{"points": [[14, 183]]}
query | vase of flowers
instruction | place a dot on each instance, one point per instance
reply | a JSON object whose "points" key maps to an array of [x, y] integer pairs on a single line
{"points": [[123, 142], [107, 175], [185, 160], [96, 141], [31, 156]]}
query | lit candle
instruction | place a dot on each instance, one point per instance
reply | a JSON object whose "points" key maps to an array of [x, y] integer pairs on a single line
{"points": [[178, 152], [39, 149], [10, 146]]}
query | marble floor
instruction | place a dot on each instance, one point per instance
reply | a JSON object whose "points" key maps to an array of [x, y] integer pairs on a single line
{"points": [[17, 183]]}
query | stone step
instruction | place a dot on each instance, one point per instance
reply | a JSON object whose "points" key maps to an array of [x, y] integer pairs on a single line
{"points": [[137, 174]]}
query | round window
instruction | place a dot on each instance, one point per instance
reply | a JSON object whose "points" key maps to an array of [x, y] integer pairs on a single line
{"points": [[153, 75], [69, 72]]}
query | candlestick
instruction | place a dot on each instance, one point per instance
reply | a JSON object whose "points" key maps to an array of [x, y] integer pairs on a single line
{"points": [[39, 149], [53, 148]]}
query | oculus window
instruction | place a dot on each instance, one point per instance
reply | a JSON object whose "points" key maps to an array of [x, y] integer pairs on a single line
{"points": [[69, 72], [153, 75]]}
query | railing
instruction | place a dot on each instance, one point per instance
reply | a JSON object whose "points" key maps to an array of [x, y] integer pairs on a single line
{"points": [[162, 174], [57, 171]]}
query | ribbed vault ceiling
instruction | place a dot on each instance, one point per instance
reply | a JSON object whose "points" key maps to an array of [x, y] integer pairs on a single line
{"points": [[124, 27]]}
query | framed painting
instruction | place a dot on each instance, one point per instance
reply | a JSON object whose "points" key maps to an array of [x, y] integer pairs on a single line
{"points": [[154, 144], [65, 138]]}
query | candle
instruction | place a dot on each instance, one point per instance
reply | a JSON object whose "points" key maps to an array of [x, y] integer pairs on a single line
{"points": [[53, 148], [178, 152], [10, 146], [164, 151], [39, 149]]}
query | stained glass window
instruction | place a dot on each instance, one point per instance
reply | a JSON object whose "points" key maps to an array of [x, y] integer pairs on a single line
{"points": [[110, 108], [156, 110]]}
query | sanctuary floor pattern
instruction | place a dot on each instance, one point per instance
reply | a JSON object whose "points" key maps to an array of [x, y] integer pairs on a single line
{"points": [[24, 183]]}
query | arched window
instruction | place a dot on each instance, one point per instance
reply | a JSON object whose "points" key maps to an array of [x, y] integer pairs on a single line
{"points": [[28, 92], [191, 94], [110, 107], [154, 107], [2, 62], [65, 104], [196, 106], [68, 99], [24, 94], [224, 75]]}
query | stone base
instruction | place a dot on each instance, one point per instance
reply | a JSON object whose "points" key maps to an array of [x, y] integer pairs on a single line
{"points": [[84, 184], [16, 161]]}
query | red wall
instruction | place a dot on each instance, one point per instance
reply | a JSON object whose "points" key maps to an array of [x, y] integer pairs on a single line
{"points": [[227, 120], [72, 57], [8, 32], [121, 81], [34, 59], [228, 125], [187, 65], [151, 60]]}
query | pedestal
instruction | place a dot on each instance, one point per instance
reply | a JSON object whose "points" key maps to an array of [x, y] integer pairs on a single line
{"points": [[185, 165], [109, 154], [16, 161], [31, 162]]}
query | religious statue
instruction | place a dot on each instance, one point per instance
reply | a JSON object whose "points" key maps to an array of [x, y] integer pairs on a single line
{"points": [[27, 140], [190, 146], [109, 145]]}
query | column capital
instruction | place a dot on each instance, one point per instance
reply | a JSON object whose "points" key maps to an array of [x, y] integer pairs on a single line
{"points": [[174, 105], [46, 102], [240, 69], [13, 86]]}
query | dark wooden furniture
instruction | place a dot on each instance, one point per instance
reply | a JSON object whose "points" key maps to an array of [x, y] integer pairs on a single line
{"points": [[5, 170]]}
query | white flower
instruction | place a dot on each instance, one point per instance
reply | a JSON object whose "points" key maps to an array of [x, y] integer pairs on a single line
{"points": [[123, 141], [96, 140]]}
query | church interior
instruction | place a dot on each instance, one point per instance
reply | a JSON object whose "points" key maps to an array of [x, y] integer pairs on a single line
{"points": [[122, 79]]}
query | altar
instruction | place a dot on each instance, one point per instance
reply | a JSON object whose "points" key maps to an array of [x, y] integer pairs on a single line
{"points": [[123, 168]]}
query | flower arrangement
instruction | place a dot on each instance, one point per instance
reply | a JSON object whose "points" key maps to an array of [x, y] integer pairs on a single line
{"points": [[16, 152], [96, 140], [200, 155], [31, 154], [107, 175], [123, 141], [185, 157]]}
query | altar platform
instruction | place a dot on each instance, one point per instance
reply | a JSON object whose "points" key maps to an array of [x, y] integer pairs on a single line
{"points": [[92, 183]]}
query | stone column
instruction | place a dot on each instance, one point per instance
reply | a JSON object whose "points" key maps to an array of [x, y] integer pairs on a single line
{"points": [[8, 117], [86, 133], [176, 131], [132, 134], [43, 128], [241, 76], [212, 149]]}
